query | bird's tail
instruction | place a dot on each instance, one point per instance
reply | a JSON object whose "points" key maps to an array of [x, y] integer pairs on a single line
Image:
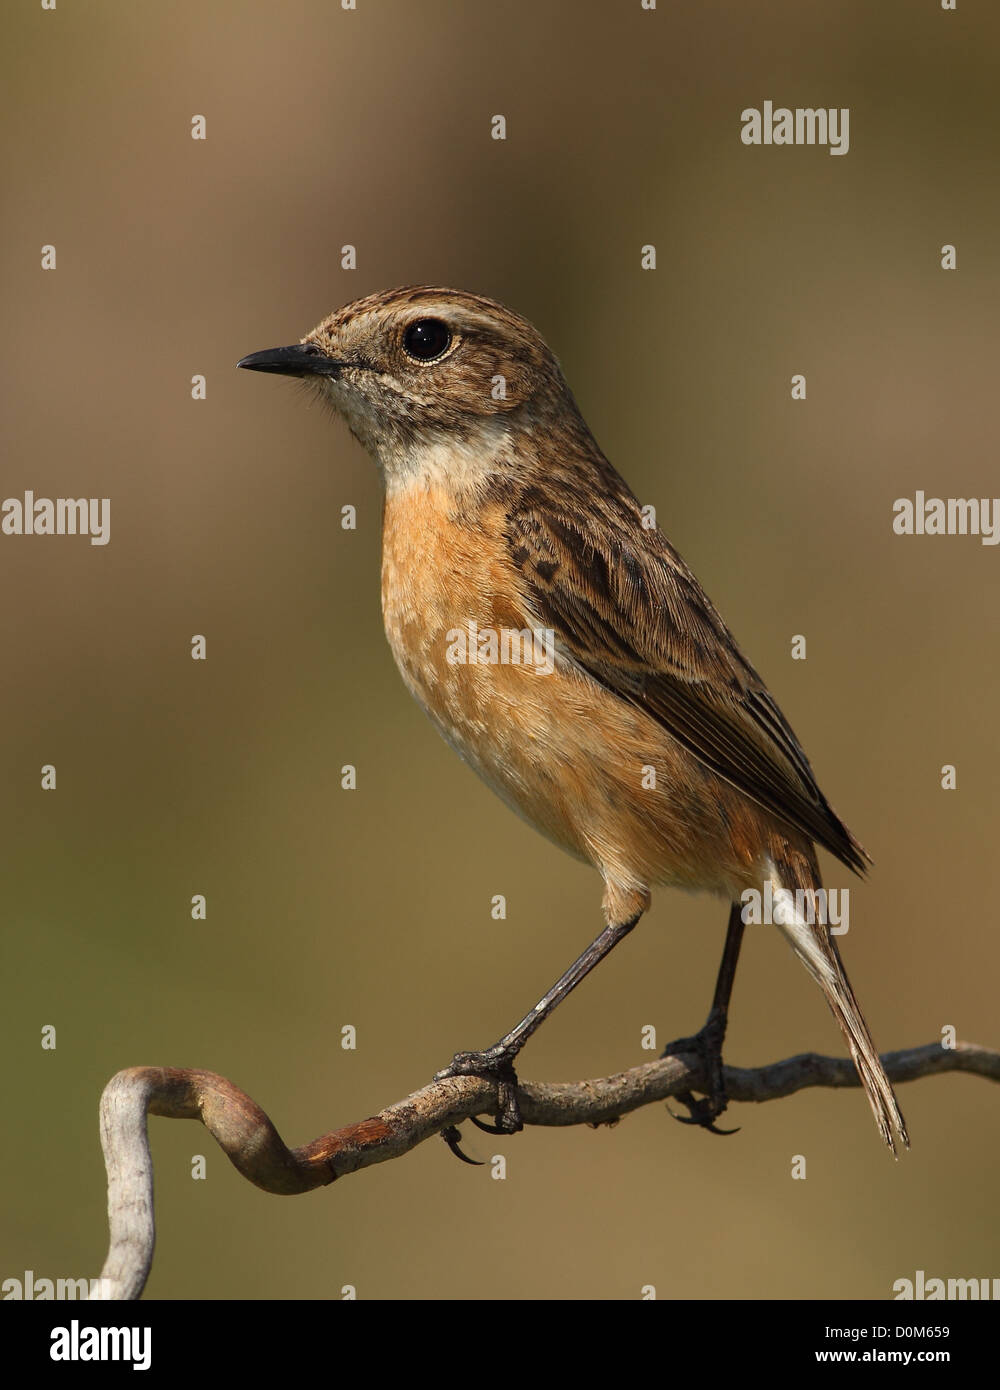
{"points": [[817, 950]]}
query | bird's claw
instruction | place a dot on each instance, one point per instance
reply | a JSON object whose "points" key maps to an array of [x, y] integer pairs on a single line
{"points": [[703, 1112], [453, 1138], [493, 1064], [487, 1129], [708, 1045]]}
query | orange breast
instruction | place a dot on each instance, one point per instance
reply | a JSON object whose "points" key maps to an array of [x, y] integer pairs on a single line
{"points": [[568, 755]]}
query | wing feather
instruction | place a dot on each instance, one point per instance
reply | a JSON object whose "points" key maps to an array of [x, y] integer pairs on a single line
{"points": [[626, 608]]}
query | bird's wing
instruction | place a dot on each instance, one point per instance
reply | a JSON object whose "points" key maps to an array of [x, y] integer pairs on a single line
{"points": [[626, 608]]}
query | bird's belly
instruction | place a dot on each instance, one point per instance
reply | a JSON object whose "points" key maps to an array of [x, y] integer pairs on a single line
{"points": [[505, 720]]}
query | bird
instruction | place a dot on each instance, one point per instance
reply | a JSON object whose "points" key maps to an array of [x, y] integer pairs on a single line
{"points": [[630, 729]]}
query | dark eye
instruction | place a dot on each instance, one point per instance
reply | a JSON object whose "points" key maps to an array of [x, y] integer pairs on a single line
{"points": [[426, 339]]}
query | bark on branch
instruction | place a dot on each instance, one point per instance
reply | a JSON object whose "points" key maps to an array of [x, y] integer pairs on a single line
{"points": [[255, 1148]]}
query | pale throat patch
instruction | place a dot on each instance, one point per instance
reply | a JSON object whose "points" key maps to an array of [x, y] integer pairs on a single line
{"points": [[454, 464], [454, 461]]}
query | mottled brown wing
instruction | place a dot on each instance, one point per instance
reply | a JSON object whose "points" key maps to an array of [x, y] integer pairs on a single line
{"points": [[626, 608]]}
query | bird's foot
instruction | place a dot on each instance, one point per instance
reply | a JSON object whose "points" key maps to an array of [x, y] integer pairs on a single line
{"points": [[492, 1064], [452, 1136], [705, 1110]]}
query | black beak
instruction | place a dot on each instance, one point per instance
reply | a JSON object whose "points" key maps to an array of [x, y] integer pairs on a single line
{"points": [[302, 359]]}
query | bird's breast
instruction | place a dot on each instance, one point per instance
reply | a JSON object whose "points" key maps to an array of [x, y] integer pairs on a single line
{"points": [[468, 650], [571, 757]]}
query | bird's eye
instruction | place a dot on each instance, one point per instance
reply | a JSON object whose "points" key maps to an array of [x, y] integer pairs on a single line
{"points": [[426, 339]]}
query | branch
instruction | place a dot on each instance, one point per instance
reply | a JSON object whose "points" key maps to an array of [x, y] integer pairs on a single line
{"points": [[255, 1148]]}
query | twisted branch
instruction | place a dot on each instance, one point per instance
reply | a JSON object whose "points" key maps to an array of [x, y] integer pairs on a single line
{"points": [[256, 1149]]}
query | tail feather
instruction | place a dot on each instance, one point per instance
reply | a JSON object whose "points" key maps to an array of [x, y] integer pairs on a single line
{"points": [[818, 952]]}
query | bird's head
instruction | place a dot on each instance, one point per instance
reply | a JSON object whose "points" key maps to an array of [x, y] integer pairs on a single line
{"points": [[420, 371]]}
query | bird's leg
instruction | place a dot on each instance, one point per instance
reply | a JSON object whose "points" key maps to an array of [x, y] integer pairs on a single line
{"points": [[497, 1062], [708, 1042]]}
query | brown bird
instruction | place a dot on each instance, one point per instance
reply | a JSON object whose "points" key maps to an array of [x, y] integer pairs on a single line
{"points": [[566, 651]]}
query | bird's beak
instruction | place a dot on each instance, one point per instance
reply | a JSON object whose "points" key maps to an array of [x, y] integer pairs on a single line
{"points": [[301, 359]]}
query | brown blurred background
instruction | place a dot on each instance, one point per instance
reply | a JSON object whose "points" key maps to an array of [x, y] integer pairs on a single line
{"points": [[176, 257]]}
